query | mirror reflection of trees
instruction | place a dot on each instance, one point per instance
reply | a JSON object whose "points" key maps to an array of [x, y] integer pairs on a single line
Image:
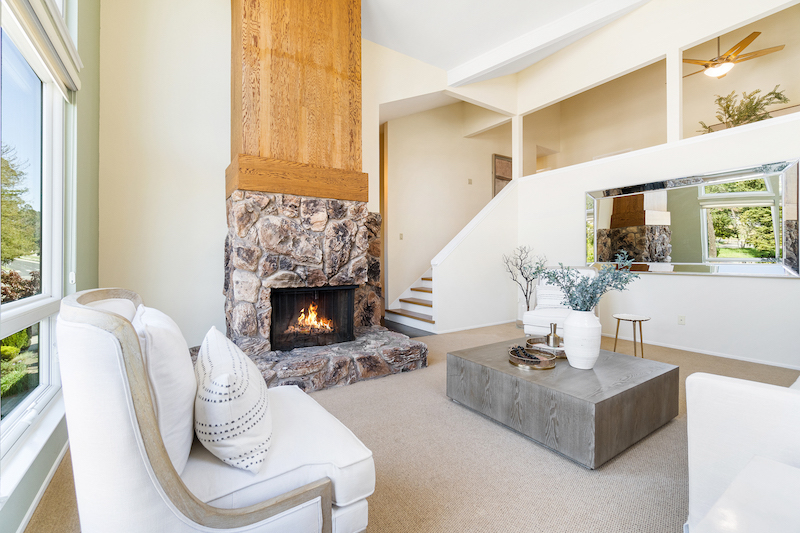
{"points": [[741, 232]]}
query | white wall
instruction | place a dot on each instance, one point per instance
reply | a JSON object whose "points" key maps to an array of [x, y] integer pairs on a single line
{"points": [[541, 133], [628, 113], [389, 76], [164, 147], [471, 288], [430, 163], [747, 318], [478, 120]]}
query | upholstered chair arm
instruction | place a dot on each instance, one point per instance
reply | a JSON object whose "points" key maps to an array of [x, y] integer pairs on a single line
{"points": [[729, 422], [215, 517], [76, 308]]}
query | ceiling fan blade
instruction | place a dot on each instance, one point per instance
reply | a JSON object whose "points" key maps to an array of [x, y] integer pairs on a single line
{"points": [[701, 62], [740, 46], [758, 53], [693, 73]]}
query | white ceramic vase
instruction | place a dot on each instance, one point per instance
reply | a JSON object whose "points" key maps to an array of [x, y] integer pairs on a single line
{"points": [[582, 339]]}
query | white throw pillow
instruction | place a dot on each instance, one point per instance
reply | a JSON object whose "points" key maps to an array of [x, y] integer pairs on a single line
{"points": [[172, 382], [548, 296], [232, 418]]}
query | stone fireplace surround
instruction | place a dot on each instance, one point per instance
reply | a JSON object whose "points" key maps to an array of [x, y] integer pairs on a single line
{"points": [[287, 241]]}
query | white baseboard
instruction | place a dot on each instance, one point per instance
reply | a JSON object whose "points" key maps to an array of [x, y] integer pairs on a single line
{"points": [[40, 494], [506, 321], [710, 352]]}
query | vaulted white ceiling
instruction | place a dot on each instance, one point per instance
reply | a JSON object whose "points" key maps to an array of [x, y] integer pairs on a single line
{"points": [[475, 40]]}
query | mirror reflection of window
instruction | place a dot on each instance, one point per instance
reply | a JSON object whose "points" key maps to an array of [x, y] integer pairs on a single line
{"points": [[741, 218]]}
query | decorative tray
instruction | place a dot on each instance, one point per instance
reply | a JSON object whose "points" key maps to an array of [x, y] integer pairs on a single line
{"points": [[539, 344], [529, 359]]}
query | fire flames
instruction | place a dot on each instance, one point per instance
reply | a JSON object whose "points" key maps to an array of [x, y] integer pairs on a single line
{"points": [[311, 324]]}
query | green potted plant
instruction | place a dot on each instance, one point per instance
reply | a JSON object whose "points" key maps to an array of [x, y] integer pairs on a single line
{"points": [[752, 108], [582, 330]]}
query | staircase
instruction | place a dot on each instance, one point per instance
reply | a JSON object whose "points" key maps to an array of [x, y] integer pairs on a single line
{"points": [[415, 306]]}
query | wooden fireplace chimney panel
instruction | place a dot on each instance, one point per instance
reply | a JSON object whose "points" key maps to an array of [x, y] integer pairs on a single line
{"points": [[296, 85]]}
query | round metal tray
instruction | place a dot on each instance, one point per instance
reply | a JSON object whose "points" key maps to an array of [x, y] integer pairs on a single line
{"points": [[532, 360]]}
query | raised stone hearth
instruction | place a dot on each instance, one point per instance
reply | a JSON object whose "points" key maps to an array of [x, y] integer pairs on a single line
{"points": [[278, 241], [376, 352]]}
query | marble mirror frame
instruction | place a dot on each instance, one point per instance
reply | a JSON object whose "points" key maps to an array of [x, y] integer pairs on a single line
{"points": [[653, 233]]}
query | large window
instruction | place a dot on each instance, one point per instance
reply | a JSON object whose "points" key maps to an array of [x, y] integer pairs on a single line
{"points": [[37, 76], [21, 224]]}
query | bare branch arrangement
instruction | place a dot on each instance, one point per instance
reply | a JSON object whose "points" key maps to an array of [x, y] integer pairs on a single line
{"points": [[524, 269]]}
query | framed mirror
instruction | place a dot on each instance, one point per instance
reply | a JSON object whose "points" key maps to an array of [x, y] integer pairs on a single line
{"points": [[737, 222]]}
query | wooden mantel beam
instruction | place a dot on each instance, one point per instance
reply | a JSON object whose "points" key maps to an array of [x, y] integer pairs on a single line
{"points": [[296, 90], [251, 173]]}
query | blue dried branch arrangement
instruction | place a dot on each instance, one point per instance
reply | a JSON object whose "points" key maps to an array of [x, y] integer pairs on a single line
{"points": [[584, 293]]}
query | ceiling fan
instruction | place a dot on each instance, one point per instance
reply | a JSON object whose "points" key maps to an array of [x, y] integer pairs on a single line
{"points": [[719, 66]]}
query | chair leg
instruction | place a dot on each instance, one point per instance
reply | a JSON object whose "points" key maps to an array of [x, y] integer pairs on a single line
{"points": [[616, 336], [634, 338], [641, 340]]}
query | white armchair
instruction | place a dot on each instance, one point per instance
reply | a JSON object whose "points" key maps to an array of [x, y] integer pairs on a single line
{"points": [[316, 477], [548, 307], [744, 455]]}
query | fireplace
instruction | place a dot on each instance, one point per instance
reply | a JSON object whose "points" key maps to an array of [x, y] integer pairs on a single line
{"points": [[312, 316], [297, 207]]}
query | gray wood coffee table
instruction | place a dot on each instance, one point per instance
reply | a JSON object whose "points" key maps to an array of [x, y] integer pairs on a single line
{"points": [[589, 416]]}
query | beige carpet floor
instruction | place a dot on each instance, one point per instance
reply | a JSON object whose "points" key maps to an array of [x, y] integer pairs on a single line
{"points": [[443, 468]]}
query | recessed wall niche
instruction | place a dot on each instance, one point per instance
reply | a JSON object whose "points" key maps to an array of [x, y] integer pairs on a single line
{"points": [[625, 114], [764, 73]]}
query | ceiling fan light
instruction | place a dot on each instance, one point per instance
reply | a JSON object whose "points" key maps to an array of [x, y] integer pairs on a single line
{"points": [[718, 70]]}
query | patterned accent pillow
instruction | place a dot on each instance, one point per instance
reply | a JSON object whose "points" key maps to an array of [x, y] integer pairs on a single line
{"points": [[549, 297], [232, 418]]}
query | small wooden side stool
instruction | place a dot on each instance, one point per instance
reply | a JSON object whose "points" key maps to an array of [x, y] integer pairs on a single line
{"points": [[633, 319]]}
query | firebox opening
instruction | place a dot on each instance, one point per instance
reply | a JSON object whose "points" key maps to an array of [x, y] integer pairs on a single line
{"points": [[312, 316]]}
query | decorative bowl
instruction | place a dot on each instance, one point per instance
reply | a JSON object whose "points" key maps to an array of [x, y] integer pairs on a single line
{"points": [[529, 359]]}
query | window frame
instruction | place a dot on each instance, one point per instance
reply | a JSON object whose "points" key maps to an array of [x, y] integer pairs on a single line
{"points": [[42, 308]]}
